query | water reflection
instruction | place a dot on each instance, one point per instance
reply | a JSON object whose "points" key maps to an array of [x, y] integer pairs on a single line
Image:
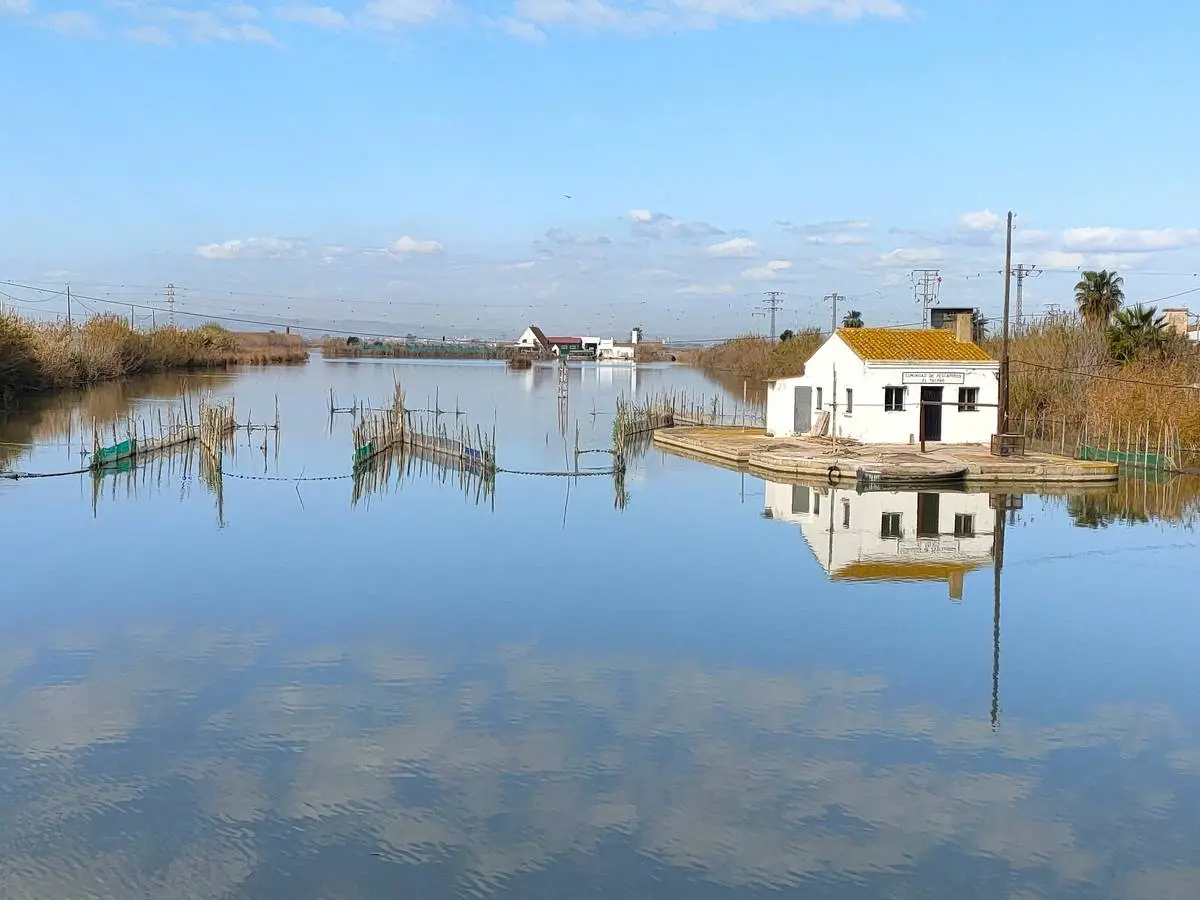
{"points": [[190, 763], [889, 535]]}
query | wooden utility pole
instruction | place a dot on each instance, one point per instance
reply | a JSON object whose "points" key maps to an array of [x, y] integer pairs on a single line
{"points": [[1002, 406], [68, 307]]}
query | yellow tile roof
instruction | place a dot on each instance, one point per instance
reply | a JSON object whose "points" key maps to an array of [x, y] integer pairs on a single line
{"points": [[898, 344], [902, 570]]}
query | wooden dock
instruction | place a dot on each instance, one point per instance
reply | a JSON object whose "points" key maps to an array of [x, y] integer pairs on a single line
{"points": [[751, 450]]}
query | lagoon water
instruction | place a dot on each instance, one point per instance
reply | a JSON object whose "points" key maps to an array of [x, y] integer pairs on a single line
{"points": [[718, 688]]}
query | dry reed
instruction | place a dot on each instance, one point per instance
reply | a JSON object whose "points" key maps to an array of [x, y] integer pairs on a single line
{"points": [[37, 357]]}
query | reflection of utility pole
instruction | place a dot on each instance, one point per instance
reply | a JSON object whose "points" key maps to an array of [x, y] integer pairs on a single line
{"points": [[771, 304], [1022, 272], [1001, 502]]}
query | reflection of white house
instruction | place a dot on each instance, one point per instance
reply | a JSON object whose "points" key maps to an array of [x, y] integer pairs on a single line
{"points": [[891, 386], [889, 535]]}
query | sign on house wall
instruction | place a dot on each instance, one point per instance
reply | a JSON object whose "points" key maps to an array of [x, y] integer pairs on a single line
{"points": [[933, 377]]}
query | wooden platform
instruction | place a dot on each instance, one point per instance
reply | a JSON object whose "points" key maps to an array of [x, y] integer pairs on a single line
{"points": [[801, 457]]}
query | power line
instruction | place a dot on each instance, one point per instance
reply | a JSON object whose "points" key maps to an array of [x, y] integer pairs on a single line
{"points": [[834, 298], [1102, 377], [926, 284], [1022, 272], [772, 304]]}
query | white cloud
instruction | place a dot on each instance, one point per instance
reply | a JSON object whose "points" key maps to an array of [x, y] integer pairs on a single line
{"points": [[72, 23], [826, 228], [524, 264], [740, 247], [912, 256], [655, 225], [147, 34], [706, 290], [204, 26], [1125, 240], [769, 271], [839, 239], [389, 14], [16, 7], [1029, 237], [981, 221], [406, 245], [525, 31], [596, 15], [249, 248], [309, 14]]}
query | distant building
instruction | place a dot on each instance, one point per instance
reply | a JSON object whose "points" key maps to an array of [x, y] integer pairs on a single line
{"points": [[610, 351], [891, 386], [533, 339], [889, 535], [946, 317], [1179, 320]]}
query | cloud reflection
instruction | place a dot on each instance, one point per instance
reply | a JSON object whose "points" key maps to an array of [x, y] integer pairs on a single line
{"points": [[200, 764]]}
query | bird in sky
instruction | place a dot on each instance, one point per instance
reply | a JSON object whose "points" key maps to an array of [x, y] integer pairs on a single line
{"points": [[568, 196]]}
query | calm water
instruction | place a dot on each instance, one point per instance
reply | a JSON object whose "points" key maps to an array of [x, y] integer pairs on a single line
{"points": [[724, 689]]}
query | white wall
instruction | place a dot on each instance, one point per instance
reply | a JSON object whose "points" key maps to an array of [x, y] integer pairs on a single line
{"points": [[868, 421], [527, 339], [862, 540]]}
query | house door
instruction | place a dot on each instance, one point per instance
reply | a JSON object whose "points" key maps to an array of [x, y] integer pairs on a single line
{"points": [[802, 415], [928, 510], [931, 413]]}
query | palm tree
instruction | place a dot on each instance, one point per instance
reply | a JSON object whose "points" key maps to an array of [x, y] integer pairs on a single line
{"points": [[1136, 330], [852, 319], [1098, 295]]}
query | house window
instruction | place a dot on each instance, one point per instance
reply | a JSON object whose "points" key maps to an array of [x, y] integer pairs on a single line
{"points": [[816, 503], [846, 514], [818, 398], [849, 400], [964, 525], [968, 399], [893, 399], [889, 526]]}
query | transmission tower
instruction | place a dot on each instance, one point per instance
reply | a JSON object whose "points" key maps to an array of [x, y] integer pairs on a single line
{"points": [[1022, 271], [926, 284], [171, 303], [834, 298], [771, 305]]}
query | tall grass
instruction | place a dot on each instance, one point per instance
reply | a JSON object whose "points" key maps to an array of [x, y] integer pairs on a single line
{"points": [[37, 357], [756, 359], [1064, 371]]}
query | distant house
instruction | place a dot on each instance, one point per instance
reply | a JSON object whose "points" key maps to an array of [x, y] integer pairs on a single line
{"points": [[889, 536], [610, 351], [533, 340], [891, 386], [565, 346]]}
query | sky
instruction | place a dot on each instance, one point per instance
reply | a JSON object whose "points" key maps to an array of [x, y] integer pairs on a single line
{"points": [[452, 167]]}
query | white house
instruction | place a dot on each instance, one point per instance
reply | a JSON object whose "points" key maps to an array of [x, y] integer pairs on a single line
{"points": [[889, 535], [533, 339], [891, 386], [609, 350]]}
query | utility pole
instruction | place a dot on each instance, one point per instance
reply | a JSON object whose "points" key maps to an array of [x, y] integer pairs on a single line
{"points": [[1002, 407], [772, 303], [171, 304], [68, 307], [1022, 272], [926, 284], [834, 298]]}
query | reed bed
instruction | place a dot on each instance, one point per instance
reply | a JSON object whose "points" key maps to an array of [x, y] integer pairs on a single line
{"points": [[39, 357], [757, 359], [671, 409], [414, 349]]}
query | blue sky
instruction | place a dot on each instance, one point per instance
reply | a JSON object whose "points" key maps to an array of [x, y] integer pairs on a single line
{"points": [[404, 162]]}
